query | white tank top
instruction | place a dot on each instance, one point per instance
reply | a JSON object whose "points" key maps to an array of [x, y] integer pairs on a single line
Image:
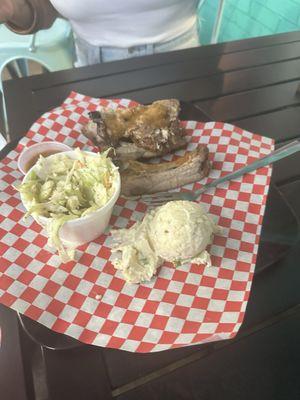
{"points": [[126, 23]]}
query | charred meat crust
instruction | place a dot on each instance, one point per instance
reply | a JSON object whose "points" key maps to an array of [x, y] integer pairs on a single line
{"points": [[155, 129]]}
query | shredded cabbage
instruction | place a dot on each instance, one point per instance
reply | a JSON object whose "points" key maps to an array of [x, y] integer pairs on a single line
{"points": [[61, 189]]}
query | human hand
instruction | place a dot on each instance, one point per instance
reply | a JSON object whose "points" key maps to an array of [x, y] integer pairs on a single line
{"points": [[6, 10], [16, 11]]}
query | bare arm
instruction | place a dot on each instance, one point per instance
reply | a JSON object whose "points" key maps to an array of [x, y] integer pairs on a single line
{"points": [[27, 16], [18, 12]]}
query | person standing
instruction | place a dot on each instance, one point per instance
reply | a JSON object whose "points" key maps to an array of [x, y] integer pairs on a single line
{"points": [[110, 30]]}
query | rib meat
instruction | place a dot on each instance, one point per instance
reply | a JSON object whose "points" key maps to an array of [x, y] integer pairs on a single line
{"points": [[138, 132], [140, 178]]}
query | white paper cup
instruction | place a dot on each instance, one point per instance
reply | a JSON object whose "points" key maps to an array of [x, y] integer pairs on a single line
{"points": [[85, 229], [32, 151]]}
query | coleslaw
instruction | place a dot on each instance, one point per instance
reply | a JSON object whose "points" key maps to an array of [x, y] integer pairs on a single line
{"points": [[61, 189]]}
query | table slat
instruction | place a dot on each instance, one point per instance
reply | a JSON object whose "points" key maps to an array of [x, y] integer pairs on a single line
{"points": [[249, 369], [49, 90], [12, 376], [282, 125], [77, 374], [254, 102]]}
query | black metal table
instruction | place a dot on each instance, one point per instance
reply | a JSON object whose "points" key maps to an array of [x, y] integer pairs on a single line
{"points": [[253, 84]]}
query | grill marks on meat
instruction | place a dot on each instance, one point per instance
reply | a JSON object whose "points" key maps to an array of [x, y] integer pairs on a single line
{"points": [[140, 178], [155, 129]]}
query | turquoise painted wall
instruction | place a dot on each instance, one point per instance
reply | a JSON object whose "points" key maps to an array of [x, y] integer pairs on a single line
{"points": [[249, 18]]}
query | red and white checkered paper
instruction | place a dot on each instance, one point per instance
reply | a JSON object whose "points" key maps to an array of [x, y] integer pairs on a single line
{"points": [[182, 306]]}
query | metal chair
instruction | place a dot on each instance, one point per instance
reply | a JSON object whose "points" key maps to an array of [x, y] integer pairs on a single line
{"points": [[52, 48]]}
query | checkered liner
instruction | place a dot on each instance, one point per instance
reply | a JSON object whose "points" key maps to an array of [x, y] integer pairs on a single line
{"points": [[88, 299]]}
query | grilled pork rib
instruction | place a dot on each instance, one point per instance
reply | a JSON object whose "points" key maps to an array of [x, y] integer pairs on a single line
{"points": [[140, 178], [138, 132]]}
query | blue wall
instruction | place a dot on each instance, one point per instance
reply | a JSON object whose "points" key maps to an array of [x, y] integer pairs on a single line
{"points": [[249, 18]]}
